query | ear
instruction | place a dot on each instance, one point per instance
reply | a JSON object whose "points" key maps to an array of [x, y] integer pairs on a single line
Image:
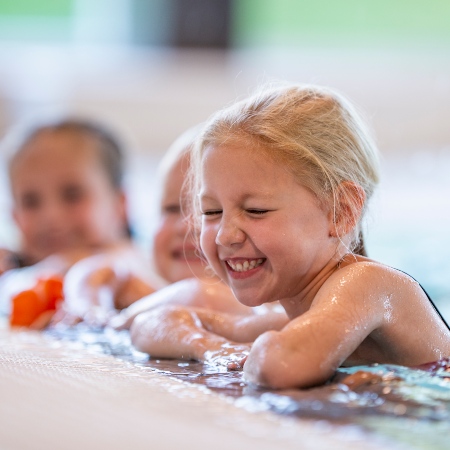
{"points": [[349, 203]]}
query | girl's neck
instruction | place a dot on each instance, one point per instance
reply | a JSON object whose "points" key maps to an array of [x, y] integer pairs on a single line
{"points": [[301, 303]]}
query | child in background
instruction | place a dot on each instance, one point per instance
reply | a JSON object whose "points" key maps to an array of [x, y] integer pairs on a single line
{"points": [[280, 184], [68, 200], [93, 282], [66, 186], [174, 253]]}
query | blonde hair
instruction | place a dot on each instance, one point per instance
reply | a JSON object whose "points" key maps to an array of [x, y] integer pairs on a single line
{"points": [[315, 132], [181, 147]]}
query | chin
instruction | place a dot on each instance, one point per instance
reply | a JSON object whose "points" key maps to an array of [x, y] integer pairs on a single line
{"points": [[249, 300]]}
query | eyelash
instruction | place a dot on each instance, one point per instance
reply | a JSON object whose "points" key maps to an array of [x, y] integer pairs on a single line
{"points": [[250, 211], [257, 211]]}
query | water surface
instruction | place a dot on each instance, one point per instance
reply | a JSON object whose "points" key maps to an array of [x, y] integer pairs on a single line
{"points": [[410, 405]]}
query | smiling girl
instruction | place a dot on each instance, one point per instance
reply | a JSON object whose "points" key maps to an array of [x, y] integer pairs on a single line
{"points": [[280, 185]]}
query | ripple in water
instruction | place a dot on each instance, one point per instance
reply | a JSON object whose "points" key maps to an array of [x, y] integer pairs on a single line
{"points": [[370, 396]]}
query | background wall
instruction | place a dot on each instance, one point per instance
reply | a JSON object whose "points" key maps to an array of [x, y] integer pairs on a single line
{"points": [[152, 68]]}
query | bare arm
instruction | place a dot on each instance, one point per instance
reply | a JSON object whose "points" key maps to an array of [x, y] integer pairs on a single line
{"points": [[95, 287], [192, 292], [200, 334], [364, 313]]}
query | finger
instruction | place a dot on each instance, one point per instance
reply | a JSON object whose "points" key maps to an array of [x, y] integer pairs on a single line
{"points": [[121, 321], [237, 364]]}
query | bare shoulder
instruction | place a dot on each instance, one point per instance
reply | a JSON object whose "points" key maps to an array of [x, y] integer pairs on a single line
{"points": [[366, 276], [388, 312], [366, 290]]}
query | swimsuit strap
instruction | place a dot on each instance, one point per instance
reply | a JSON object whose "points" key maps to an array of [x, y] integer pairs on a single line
{"points": [[429, 298]]}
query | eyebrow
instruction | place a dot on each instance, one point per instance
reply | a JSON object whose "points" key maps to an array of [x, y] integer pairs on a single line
{"points": [[261, 195]]}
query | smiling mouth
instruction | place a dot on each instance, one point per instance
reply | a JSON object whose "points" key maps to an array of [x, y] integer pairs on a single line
{"points": [[244, 266]]}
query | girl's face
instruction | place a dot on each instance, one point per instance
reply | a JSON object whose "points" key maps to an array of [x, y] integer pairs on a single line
{"points": [[262, 232], [62, 196], [174, 252]]}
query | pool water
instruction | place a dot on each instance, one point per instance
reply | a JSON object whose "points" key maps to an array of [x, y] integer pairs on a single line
{"points": [[410, 405], [409, 232]]}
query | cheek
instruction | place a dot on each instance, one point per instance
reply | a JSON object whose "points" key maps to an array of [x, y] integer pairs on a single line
{"points": [[164, 235], [86, 210], [25, 221], [208, 241], [89, 219]]}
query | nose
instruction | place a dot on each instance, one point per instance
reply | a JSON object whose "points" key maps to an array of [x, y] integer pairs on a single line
{"points": [[52, 213], [230, 232]]}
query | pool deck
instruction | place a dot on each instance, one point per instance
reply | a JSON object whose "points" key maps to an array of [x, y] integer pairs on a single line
{"points": [[58, 394]]}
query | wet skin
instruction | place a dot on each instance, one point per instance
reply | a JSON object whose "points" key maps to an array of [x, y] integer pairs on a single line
{"points": [[349, 310], [269, 238]]}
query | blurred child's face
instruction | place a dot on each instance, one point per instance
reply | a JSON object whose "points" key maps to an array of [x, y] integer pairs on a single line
{"points": [[62, 196], [174, 252], [262, 232]]}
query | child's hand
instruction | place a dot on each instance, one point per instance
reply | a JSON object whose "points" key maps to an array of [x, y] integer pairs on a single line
{"points": [[123, 319], [237, 364], [94, 317], [230, 355], [95, 288], [190, 292], [180, 293]]}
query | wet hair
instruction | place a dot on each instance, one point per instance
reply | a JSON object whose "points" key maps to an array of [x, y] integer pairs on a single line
{"points": [[109, 148], [314, 132]]}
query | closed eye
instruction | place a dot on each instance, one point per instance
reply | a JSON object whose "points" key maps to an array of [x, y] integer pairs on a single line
{"points": [[213, 212], [72, 194], [30, 200], [257, 211], [171, 208]]}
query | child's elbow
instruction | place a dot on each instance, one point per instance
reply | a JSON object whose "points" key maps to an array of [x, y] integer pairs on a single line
{"points": [[273, 365]]}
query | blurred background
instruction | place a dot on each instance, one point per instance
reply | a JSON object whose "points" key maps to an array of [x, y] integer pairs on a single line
{"points": [[152, 68]]}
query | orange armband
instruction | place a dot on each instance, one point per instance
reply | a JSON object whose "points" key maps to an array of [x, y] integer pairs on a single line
{"points": [[28, 305]]}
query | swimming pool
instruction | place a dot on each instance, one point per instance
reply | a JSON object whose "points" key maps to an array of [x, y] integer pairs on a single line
{"points": [[41, 376], [60, 394], [88, 388], [410, 221]]}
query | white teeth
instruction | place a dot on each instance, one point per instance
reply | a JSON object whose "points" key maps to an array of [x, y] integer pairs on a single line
{"points": [[246, 265]]}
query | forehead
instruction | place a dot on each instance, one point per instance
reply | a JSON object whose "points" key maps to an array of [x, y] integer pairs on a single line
{"points": [[49, 147], [241, 159], [174, 175], [242, 171]]}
